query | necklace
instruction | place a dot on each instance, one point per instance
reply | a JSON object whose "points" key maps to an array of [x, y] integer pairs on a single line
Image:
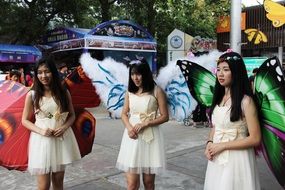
{"points": [[225, 100]]}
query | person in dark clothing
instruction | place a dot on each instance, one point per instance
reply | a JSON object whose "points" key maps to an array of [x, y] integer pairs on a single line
{"points": [[63, 71], [251, 78], [199, 115]]}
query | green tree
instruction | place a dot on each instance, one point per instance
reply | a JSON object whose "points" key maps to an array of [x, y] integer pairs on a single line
{"points": [[25, 21]]}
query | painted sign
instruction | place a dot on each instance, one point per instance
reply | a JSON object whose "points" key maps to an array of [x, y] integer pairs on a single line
{"points": [[120, 29], [115, 43], [61, 34], [199, 44], [224, 24], [275, 12]]}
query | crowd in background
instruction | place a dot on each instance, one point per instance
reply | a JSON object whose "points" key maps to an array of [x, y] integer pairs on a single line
{"points": [[26, 78], [18, 75]]}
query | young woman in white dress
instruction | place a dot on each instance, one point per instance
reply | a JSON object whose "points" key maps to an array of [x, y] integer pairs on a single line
{"points": [[52, 144], [145, 108], [236, 130]]}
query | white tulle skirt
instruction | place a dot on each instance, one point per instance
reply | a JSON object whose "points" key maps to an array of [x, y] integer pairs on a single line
{"points": [[240, 172], [138, 156], [51, 154]]}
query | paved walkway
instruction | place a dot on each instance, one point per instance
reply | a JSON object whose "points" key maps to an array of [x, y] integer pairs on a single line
{"points": [[186, 164]]}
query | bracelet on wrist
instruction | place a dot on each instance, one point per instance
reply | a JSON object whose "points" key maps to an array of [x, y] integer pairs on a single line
{"points": [[209, 141]]}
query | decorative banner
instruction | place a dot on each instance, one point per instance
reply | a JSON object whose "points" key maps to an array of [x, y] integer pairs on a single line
{"points": [[115, 43], [61, 34], [19, 53], [256, 35], [224, 24], [275, 13], [119, 35], [69, 44], [120, 29], [199, 44]]}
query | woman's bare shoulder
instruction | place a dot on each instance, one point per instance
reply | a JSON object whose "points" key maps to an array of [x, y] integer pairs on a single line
{"points": [[30, 93], [246, 101], [159, 89]]}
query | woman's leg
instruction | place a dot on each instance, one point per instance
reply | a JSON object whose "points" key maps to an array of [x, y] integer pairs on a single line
{"points": [[133, 181], [43, 182], [148, 181], [57, 180]]}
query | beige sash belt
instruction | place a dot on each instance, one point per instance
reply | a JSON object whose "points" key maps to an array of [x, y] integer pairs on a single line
{"points": [[147, 135], [224, 135]]}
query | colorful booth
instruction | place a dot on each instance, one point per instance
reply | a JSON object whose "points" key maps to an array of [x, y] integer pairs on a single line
{"points": [[10, 54], [119, 39]]}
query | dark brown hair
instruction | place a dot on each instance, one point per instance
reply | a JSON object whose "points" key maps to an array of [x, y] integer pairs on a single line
{"points": [[59, 93]]}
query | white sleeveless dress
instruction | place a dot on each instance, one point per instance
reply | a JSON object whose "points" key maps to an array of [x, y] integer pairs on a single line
{"points": [[231, 169], [142, 155], [51, 154]]}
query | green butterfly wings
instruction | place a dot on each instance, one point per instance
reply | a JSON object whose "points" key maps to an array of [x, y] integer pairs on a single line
{"points": [[270, 94], [273, 148], [200, 81]]}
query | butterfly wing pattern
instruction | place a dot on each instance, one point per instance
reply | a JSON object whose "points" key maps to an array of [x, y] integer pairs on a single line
{"points": [[275, 12], [270, 93], [255, 35], [110, 79], [179, 100], [14, 137], [200, 81], [83, 95]]}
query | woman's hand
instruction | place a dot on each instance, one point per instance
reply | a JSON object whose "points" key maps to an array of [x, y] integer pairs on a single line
{"points": [[59, 131], [46, 132], [207, 152], [215, 148], [140, 126], [132, 133]]}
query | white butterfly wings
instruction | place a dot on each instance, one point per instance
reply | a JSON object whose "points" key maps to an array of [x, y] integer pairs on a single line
{"points": [[207, 61], [179, 100], [110, 79]]}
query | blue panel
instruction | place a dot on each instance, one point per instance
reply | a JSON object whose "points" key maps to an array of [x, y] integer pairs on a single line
{"points": [[19, 53], [253, 62]]}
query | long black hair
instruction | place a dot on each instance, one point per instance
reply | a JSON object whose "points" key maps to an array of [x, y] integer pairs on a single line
{"points": [[240, 85], [141, 67], [58, 92]]}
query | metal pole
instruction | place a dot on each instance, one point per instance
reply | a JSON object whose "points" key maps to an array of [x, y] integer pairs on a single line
{"points": [[280, 54], [235, 33]]}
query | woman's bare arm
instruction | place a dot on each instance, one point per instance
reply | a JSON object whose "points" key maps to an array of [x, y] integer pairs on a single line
{"points": [[27, 112], [254, 137]]}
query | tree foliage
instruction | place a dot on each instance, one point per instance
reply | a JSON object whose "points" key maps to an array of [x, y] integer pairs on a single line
{"points": [[25, 21]]}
